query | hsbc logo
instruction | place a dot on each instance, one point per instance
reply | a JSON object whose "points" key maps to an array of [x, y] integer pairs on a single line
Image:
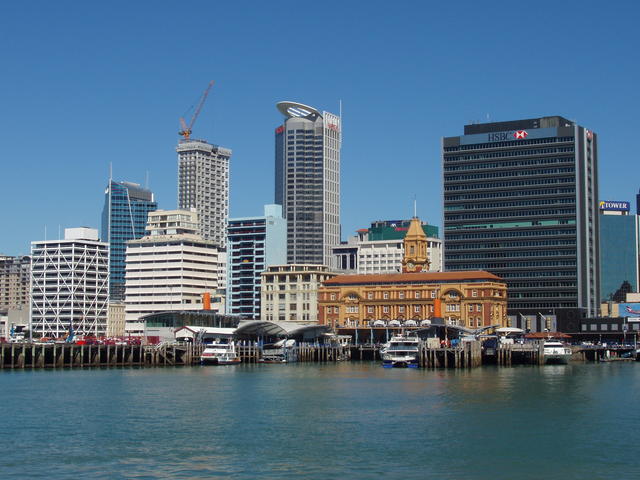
{"points": [[520, 134], [507, 136]]}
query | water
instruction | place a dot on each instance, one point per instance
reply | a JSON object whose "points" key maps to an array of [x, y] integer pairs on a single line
{"points": [[348, 420]]}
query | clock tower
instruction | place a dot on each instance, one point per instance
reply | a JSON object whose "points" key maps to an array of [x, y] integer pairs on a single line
{"points": [[415, 258]]}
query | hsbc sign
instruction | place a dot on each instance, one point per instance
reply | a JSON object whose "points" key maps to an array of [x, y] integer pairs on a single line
{"points": [[506, 136]]}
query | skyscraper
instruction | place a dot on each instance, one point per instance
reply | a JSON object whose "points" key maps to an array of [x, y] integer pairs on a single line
{"points": [[520, 201], [254, 244], [308, 181], [124, 218], [203, 184]]}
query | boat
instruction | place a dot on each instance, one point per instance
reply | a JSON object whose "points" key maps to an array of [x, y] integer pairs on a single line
{"points": [[402, 351], [556, 352], [279, 352], [220, 353]]}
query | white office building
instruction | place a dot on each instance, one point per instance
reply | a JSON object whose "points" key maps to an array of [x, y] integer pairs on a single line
{"points": [[69, 285], [169, 269]]}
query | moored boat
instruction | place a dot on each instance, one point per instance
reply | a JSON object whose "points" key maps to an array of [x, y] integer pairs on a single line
{"points": [[402, 351], [219, 353], [556, 352]]}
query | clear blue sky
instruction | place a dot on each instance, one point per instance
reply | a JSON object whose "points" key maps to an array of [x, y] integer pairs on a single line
{"points": [[83, 84]]}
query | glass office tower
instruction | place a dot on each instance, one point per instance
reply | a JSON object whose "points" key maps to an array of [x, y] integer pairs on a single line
{"points": [[124, 218]]}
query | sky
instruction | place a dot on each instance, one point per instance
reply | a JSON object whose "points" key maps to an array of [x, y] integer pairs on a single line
{"points": [[87, 84]]}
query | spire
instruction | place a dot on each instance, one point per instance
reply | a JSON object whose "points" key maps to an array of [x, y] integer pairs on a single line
{"points": [[416, 258]]}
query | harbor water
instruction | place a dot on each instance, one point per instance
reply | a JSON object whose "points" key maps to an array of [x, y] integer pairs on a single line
{"points": [[351, 420]]}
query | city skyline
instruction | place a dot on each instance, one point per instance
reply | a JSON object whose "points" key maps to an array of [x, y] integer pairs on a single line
{"points": [[444, 66]]}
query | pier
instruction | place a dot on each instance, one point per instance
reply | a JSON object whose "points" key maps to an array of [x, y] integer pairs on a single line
{"points": [[69, 355], [432, 355]]}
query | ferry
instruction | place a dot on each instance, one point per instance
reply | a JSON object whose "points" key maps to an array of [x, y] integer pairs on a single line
{"points": [[556, 352], [402, 351], [219, 353]]}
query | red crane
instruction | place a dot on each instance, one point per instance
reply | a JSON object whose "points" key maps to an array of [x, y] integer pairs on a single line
{"points": [[186, 129]]}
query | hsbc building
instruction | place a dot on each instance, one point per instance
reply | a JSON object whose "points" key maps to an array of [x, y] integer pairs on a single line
{"points": [[521, 201]]}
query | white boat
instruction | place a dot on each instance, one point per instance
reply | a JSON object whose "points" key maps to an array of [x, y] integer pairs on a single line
{"points": [[556, 352], [402, 351], [279, 352], [219, 353]]}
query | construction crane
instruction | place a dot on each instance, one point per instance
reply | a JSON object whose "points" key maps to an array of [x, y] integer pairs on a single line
{"points": [[186, 129]]}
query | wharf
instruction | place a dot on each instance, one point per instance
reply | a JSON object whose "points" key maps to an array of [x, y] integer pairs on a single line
{"points": [[69, 355]]}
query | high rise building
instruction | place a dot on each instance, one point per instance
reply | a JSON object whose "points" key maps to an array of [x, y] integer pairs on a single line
{"points": [[254, 243], [618, 248], [308, 181], [124, 218], [203, 184], [14, 282], [171, 268], [70, 284], [520, 201]]}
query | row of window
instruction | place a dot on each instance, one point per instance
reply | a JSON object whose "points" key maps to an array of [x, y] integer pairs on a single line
{"points": [[510, 173], [509, 234], [505, 154], [521, 203], [532, 243]]}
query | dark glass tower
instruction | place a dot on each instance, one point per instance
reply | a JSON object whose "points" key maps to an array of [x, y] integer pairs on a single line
{"points": [[124, 218], [520, 201]]}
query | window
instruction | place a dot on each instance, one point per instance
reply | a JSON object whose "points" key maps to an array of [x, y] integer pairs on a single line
{"points": [[369, 309], [400, 294], [385, 295], [471, 308], [385, 309], [474, 293], [433, 294], [416, 308], [333, 296], [370, 295], [417, 294], [478, 308], [401, 308]]}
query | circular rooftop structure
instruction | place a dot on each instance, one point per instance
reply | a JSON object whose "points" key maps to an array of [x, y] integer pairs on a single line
{"points": [[296, 110]]}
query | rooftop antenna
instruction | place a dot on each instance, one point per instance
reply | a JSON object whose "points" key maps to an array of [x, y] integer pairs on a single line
{"points": [[415, 207], [110, 171]]}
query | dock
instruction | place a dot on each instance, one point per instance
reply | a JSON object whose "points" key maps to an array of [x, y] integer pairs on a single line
{"points": [[69, 355], [464, 355]]}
